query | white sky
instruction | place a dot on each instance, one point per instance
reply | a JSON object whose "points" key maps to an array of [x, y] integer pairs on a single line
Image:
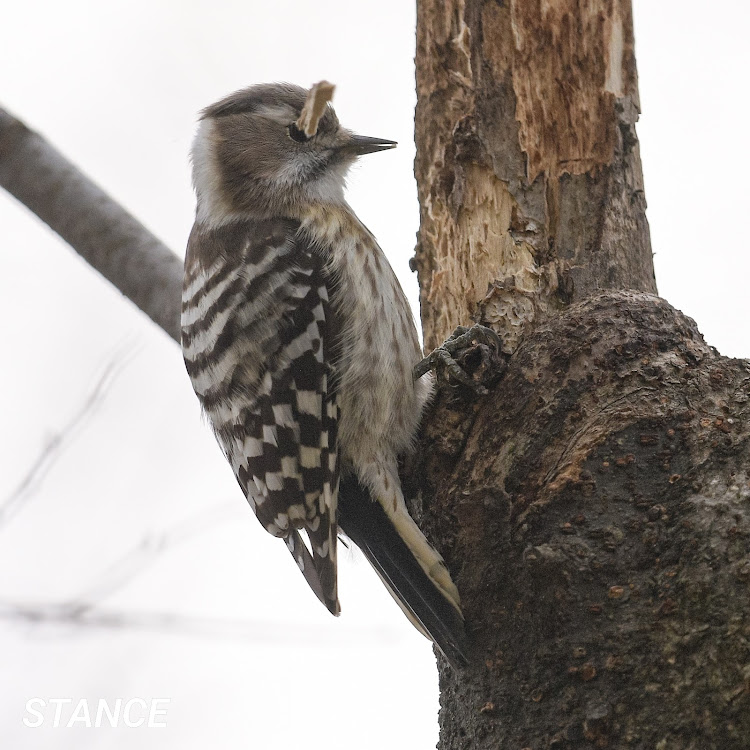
{"points": [[116, 87]]}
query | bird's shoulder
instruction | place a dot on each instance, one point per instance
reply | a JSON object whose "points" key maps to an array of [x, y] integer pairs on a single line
{"points": [[245, 240]]}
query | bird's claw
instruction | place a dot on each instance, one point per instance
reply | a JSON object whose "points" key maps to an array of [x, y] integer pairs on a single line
{"points": [[455, 348]]}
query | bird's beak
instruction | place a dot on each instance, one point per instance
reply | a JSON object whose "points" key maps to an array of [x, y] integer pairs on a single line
{"points": [[363, 144]]}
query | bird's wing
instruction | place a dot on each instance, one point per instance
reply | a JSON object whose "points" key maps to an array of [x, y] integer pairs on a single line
{"points": [[292, 456], [270, 396]]}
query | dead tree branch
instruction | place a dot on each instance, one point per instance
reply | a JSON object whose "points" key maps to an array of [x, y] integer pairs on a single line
{"points": [[58, 442], [95, 226]]}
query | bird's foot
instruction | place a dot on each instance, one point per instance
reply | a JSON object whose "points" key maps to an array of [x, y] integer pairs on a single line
{"points": [[474, 350]]}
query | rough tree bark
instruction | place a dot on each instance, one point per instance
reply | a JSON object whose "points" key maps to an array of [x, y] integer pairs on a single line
{"points": [[595, 507]]}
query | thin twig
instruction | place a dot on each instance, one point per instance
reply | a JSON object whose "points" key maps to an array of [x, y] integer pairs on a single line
{"points": [[152, 546], [55, 445], [312, 635]]}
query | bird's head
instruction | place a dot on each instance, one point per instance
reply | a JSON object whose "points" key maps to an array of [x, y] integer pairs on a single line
{"points": [[252, 158]]}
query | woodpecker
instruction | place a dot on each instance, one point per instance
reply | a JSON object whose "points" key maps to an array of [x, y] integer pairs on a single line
{"points": [[300, 345]]}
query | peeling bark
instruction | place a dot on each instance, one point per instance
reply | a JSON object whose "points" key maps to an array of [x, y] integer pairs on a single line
{"points": [[527, 164]]}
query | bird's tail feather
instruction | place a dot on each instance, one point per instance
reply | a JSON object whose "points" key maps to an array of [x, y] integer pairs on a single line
{"points": [[431, 605], [318, 567]]}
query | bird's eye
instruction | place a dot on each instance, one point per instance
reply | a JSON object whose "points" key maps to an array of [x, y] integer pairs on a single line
{"points": [[296, 134]]}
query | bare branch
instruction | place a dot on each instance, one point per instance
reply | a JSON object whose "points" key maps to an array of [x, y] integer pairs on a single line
{"points": [[311, 635], [83, 611], [106, 235], [59, 441], [144, 554]]}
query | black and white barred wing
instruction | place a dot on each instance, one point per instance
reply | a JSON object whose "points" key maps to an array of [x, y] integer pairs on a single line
{"points": [[256, 344]]}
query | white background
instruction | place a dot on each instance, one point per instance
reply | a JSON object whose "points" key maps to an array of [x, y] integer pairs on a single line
{"points": [[140, 512]]}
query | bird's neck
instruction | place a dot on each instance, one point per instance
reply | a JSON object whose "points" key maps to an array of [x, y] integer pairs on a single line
{"points": [[214, 209]]}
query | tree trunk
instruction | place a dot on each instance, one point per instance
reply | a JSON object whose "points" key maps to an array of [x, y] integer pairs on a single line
{"points": [[594, 508], [528, 165]]}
